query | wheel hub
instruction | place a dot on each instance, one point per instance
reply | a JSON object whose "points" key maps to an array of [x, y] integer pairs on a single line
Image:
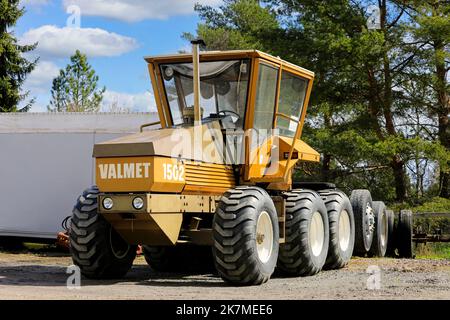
{"points": [[316, 234], [264, 237], [344, 230], [370, 221]]}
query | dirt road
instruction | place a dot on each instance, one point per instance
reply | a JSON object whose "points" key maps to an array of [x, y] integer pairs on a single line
{"points": [[43, 276]]}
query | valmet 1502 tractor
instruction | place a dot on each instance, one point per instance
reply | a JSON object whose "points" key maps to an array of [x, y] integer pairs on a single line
{"points": [[216, 171]]}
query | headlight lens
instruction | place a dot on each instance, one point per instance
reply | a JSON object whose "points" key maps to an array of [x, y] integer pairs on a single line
{"points": [[138, 203], [108, 203]]}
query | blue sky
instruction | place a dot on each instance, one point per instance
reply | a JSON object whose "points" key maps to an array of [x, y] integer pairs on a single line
{"points": [[115, 34]]}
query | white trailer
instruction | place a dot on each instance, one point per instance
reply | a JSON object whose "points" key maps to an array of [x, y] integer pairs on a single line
{"points": [[46, 162]]}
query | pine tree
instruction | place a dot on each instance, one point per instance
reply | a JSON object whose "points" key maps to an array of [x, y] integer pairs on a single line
{"points": [[75, 89], [431, 32], [14, 68]]}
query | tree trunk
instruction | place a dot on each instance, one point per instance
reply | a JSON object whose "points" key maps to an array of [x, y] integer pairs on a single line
{"points": [[398, 169], [397, 164], [444, 138], [443, 113], [326, 157], [326, 167]]}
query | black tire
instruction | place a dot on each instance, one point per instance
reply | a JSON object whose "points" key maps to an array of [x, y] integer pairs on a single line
{"points": [[381, 235], [390, 250], [235, 236], [297, 257], [162, 259], [405, 234], [96, 248], [179, 258], [361, 201], [339, 209]]}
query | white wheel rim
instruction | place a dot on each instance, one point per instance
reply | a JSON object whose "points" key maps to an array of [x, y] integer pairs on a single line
{"points": [[344, 230], [264, 237], [383, 230], [316, 234]]}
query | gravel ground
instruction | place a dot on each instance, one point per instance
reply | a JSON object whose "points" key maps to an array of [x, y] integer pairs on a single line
{"points": [[43, 276]]}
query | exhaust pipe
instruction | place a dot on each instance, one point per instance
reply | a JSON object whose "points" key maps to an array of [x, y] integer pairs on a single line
{"points": [[196, 70], [198, 132]]}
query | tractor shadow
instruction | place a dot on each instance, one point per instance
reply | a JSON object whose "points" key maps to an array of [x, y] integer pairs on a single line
{"points": [[40, 275]]}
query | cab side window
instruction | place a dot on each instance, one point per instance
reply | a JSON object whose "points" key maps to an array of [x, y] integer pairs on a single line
{"points": [[291, 101], [265, 97]]}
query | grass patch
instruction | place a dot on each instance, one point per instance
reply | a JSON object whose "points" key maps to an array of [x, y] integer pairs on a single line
{"points": [[437, 251]]}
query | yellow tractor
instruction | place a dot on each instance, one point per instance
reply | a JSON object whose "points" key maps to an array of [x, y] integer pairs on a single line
{"points": [[216, 171]]}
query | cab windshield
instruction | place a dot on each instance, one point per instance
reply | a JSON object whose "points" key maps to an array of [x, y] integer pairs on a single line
{"points": [[223, 91]]}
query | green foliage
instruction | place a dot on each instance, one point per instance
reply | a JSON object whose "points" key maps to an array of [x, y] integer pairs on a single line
{"points": [[437, 204], [436, 251], [14, 68], [75, 89], [238, 24]]}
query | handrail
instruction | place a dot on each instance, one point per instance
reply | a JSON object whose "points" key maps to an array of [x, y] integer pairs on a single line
{"points": [[278, 114], [149, 125], [291, 151]]}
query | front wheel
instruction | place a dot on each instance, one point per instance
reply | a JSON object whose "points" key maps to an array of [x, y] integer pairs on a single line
{"points": [[246, 236], [96, 248]]}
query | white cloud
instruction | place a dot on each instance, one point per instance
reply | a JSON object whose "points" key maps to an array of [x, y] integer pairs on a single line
{"points": [[63, 42], [41, 78], [119, 101], [137, 10]]}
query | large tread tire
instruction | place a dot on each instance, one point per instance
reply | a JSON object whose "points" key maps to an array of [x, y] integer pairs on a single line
{"points": [[391, 245], [339, 208], [405, 233], [381, 235], [362, 205], [162, 259], [235, 237], [296, 256], [92, 240]]}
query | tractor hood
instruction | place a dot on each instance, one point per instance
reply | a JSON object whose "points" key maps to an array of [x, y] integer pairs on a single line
{"points": [[169, 142]]}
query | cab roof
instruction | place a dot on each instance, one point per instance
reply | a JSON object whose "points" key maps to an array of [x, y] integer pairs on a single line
{"points": [[231, 54]]}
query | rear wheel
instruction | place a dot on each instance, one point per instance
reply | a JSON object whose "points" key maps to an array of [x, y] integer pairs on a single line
{"points": [[381, 235], [307, 234], [161, 259], [361, 201], [390, 250], [96, 248], [404, 235], [246, 236], [342, 228]]}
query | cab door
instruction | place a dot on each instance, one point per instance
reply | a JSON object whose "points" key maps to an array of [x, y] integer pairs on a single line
{"points": [[260, 122], [280, 98]]}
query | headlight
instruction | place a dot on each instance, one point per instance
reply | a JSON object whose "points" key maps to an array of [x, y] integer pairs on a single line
{"points": [[108, 203], [138, 203]]}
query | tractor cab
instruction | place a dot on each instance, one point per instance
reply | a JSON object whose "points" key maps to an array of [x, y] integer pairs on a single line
{"points": [[259, 102]]}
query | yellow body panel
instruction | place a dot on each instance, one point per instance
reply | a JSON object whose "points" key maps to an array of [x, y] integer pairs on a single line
{"points": [[139, 174], [161, 174], [266, 168]]}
